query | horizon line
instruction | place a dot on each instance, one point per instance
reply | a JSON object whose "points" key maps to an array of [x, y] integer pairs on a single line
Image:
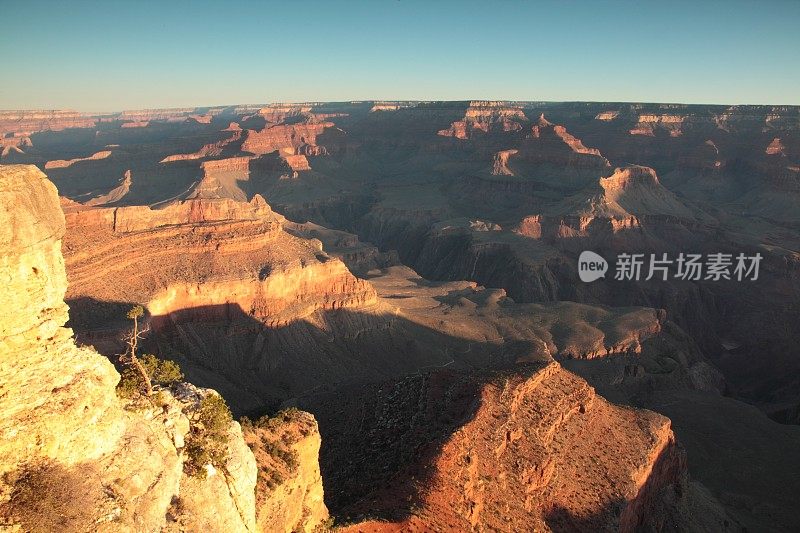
{"points": [[389, 101]]}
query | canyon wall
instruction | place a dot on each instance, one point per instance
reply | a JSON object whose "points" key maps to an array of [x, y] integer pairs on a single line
{"points": [[73, 455]]}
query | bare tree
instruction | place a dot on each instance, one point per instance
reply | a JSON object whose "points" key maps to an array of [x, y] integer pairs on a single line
{"points": [[132, 340]]}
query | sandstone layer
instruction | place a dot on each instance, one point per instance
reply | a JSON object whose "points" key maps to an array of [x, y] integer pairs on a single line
{"points": [[698, 179], [205, 256], [75, 457], [530, 449]]}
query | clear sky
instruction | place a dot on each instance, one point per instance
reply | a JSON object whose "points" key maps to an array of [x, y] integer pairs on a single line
{"points": [[112, 55]]}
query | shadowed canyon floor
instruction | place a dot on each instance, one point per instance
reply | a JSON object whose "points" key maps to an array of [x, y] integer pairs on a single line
{"points": [[407, 273]]}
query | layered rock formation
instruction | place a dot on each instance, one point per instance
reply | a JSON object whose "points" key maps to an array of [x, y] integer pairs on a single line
{"points": [[634, 191], [176, 114], [114, 195], [607, 115], [207, 150], [523, 450], [486, 116], [33, 121], [296, 504], [74, 456], [296, 138], [648, 124], [277, 113], [500, 165], [428, 200], [15, 143], [223, 254], [62, 163], [388, 106], [775, 147]]}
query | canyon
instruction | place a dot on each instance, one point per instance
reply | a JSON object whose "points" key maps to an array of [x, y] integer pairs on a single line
{"points": [[391, 290]]}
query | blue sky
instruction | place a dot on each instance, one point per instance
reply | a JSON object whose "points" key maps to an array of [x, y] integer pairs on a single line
{"points": [[120, 55]]}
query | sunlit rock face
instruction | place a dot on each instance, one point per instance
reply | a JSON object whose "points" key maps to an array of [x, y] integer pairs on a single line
{"points": [[296, 504], [33, 121], [484, 117], [205, 256], [73, 456], [539, 437], [57, 400], [503, 195]]}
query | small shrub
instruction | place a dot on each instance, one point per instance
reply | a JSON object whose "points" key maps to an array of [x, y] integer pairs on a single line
{"points": [[207, 442], [325, 526], [163, 372], [130, 384]]}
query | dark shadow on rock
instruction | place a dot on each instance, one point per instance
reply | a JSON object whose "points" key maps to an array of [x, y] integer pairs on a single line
{"points": [[386, 391], [379, 440], [652, 509]]}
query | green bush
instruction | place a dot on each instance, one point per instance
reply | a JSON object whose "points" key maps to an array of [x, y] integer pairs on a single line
{"points": [[130, 384], [163, 372], [207, 441]]}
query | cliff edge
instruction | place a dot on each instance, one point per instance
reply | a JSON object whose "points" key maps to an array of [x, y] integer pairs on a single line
{"points": [[74, 456]]}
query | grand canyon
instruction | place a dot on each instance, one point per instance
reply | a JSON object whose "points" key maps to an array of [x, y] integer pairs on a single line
{"points": [[386, 295]]}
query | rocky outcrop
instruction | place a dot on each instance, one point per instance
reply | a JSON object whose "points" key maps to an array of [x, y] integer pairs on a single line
{"points": [[258, 267], [65, 433], [114, 195], [636, 190], [538, 436], [573, 142], [500, 165], [29, 122], [14, 143], [74, 456], [387, 106], [648, 124], [207, 150], [289, 494], [296, 138], [775, 147], [607, 116], [64, 163], [486, 116], [202, 119], [297, 162], [277, 113], [229, 164], [38, 400]]}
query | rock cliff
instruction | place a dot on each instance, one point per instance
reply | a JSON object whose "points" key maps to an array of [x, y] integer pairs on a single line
{"points": [[700, 178], [221, 254], [533, 449], [293, 138], [62, 163], [75, 456], [33, 121], [484, 117]]}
